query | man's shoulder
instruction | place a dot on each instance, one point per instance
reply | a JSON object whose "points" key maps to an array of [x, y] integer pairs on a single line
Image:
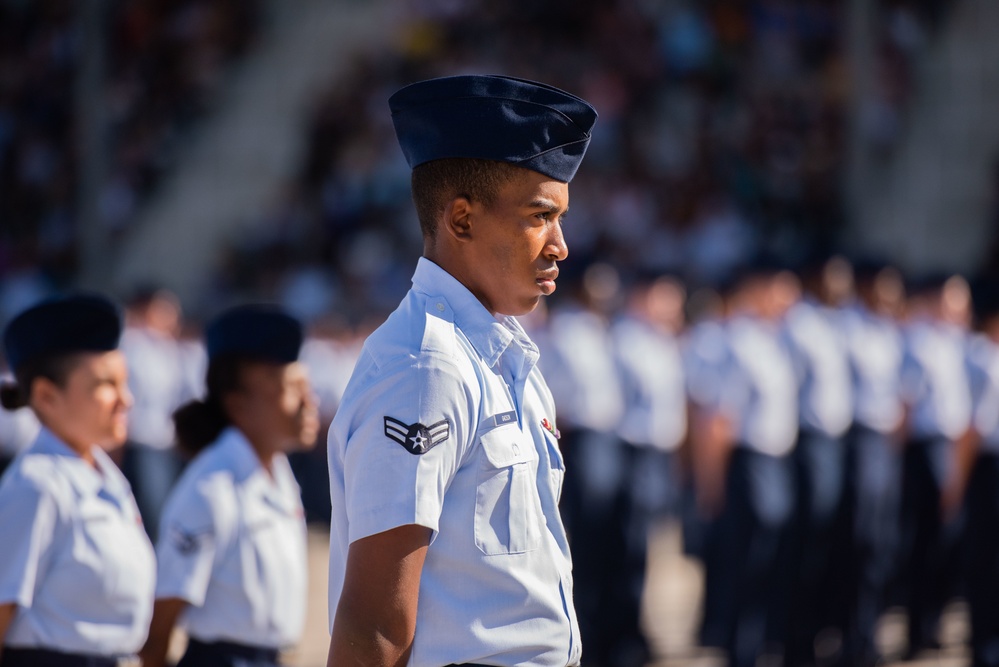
{"points": [[421, 328]]}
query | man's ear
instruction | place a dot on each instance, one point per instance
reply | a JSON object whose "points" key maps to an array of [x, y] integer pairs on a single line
{"points": [[458, 216]]}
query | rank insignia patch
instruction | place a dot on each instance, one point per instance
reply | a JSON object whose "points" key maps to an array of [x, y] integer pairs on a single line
{"points": [[417, 438], [187, 542]]}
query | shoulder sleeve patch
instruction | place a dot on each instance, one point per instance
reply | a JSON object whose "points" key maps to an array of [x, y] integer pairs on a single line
{"points": [[417, 438]]}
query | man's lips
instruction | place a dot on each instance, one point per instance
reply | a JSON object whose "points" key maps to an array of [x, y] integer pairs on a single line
{"points": [[546, 280]]}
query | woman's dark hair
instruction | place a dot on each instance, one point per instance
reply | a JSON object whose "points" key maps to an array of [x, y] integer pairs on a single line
{"points": [[199, 423], [55, 368]]}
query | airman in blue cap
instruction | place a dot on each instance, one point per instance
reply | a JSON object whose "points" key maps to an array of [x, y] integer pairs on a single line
{"points": [[232, 544], [446, 545]]}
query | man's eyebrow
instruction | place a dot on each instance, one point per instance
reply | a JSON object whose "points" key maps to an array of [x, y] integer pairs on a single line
{"points": [[546, 204]]}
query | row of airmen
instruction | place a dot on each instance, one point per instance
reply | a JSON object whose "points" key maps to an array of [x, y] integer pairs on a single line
{"points": [[80, 582], [820, 438], [831, 443]]}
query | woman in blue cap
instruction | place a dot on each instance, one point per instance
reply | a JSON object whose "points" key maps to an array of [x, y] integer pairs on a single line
{"points": [[232, 540], [77, 571]]}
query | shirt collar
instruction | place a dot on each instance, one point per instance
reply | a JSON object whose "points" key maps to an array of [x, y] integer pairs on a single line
{"points": [[86, 478], [490, 336], [239, 452]]}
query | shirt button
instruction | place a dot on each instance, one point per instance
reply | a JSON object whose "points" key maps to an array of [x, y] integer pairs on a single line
{"points": [[516, 448], [440, 307]]}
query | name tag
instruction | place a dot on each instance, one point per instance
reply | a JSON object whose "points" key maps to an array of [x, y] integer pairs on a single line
{"points": [[504, 418]]}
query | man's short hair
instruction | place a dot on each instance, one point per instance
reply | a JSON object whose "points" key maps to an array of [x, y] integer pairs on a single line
{"points": [[438, 182]]}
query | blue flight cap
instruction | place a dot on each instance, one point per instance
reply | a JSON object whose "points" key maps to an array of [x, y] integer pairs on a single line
{"points": [[531, 125], [258, 332], [63, 325]]}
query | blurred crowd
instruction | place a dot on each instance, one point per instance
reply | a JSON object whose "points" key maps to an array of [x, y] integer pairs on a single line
{"points": [[164, 61], [723, 128], [827, 438]]}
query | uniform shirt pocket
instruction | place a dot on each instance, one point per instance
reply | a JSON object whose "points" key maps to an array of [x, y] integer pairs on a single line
{"points": [[507, 508]]}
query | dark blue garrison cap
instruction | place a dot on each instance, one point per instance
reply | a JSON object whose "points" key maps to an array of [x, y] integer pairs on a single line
{"points": [[64, 325], [531, 125], [258, 332]]}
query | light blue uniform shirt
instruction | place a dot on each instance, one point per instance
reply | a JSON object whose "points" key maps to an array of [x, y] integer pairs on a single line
{"points": [[935, 380], [652, 381], [442, 376], [75, 558], [756, 387], [983, 369], [818, 351], [233, 546], [581, 371], [875, 346]]}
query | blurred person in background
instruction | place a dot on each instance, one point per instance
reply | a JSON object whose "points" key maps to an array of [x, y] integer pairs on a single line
{"points": [[703, 348], [18, 429], [579, 365], [749, 425], [157, 379], [983, 486], [819, 354], [937, 395], [873, 474], [77, 570], [232, 547], [329, 353], [652, 428]]}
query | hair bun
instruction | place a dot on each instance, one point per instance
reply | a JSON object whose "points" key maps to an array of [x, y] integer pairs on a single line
{"points": [[11, 396]]}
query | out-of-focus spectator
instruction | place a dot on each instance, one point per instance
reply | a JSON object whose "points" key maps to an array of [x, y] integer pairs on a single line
{"points": [[165, 61], [873, 474], [578, 363], [159, 383], [18, 429], [750, 424], [825, 412], [935, 387], [652, 427], [983, 486]]}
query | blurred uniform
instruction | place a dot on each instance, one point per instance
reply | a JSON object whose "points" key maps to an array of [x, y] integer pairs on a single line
{"points": [[983, 503], [936, 388], [873, 475], [77, 562], [819, 355], [579, 366], [233, 546], [652, 427], [756, 392]]}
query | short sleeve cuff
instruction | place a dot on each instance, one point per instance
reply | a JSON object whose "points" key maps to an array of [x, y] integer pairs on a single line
{"points": [[381, 519]]}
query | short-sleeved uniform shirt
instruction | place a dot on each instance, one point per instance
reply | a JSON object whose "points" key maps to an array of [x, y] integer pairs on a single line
{"points": [[819, 354], [76, 560], [934, 379], [233, 546], [875, 348], [447, 423], [755, 387], [983, 371], [652, 383]]}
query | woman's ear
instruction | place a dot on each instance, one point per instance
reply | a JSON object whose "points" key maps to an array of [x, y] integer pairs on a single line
{"points": [[45, 396], [234, 405], [457, 221]]}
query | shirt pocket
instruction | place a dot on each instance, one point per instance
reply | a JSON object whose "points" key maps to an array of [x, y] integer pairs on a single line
{"points": [[115, 555], [507, 508]]}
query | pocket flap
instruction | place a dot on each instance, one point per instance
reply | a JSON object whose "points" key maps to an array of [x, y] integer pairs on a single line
{"points": [[505, 446]]}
